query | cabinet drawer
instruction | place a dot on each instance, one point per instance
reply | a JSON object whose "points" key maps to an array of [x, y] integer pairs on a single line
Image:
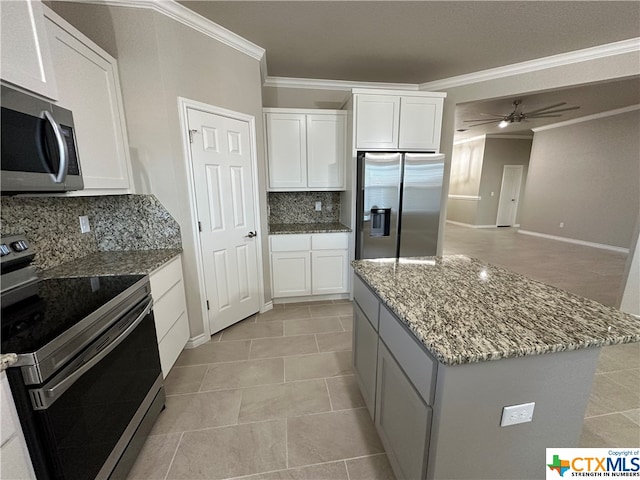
{"points": [[168, 309], [419, 366], [290, 243], [173, 343], [330, 241], [165, 277], [367, 301]]}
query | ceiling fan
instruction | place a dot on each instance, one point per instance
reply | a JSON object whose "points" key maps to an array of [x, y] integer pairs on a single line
{"points": [[518, 116]]}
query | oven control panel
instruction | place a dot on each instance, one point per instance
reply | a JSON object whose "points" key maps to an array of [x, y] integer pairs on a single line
{"points": [[15, 249]]}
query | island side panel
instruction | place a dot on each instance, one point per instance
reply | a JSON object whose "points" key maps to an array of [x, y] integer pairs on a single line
{"points": [[467, 441]]}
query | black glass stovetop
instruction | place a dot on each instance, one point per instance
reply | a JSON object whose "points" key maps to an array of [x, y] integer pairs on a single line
{"points": [[59, 304]]}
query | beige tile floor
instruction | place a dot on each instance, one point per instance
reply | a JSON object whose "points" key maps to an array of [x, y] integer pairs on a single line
{"points": [[274, 397]]}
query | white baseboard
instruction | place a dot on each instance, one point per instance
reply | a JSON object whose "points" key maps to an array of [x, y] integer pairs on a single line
{"points": [[468, 225], [312, 298], [197, 341], [266, 307], [602, 246]]}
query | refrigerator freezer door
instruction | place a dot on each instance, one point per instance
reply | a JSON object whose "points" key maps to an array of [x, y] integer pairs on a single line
{"points": [[421, 191], [379, 188]]}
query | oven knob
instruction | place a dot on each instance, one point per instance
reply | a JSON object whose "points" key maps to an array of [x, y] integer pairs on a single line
{"points": [[4, 250], [20, 245]]}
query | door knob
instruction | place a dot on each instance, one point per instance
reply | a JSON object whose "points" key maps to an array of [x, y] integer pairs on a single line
{"points": [[251, 235]]}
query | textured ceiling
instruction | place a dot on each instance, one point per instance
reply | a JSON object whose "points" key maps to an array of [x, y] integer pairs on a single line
{"points": [[416, 42]]}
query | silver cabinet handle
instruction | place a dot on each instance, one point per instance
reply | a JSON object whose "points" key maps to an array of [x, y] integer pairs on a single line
{"points": [[251, 235], [62, 148], [43, 398]]}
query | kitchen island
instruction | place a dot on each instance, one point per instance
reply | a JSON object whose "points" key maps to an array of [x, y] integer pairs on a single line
{"points": [[443, 344]]}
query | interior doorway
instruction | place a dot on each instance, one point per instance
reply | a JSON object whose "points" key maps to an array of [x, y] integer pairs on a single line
{"points": [[509, 195], [222, 160]]}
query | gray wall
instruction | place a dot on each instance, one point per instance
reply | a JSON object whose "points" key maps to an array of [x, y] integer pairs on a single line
{"points": [[499, 152], [586, 175], [160, 59]]}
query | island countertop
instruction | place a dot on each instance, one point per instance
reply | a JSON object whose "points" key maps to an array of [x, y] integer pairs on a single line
{"points": [[464, 310]]}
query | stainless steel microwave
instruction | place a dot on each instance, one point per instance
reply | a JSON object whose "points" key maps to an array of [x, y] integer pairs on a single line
{"points": [[38, 145]]}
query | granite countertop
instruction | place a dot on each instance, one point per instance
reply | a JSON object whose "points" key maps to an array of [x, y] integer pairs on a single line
{"points": [[467, 311], [290, 228], [131, 262]]}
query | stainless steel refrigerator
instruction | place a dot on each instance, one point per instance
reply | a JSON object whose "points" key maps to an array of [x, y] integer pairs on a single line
{"points": [[398, 204]]}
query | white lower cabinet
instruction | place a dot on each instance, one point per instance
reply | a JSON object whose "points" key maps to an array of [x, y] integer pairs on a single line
{"points": [[14, 456], [170, 312], [291, 273], [309, 264]]}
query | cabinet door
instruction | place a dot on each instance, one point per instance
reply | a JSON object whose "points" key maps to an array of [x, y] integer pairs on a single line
{"points": [[291, 274], [286, 150], [89, 86], [377, 120], [402, 419], [365, 353], [420, 123], [326, 151], [26, 61], [329, 271]]}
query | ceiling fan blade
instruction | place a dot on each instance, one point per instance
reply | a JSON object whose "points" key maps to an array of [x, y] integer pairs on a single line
{"points": [[492, 115], [547, 108], [542, 116], [480, 120], [483, 123], [554, 111]]}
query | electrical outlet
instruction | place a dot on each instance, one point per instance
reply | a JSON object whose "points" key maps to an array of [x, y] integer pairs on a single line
{"points": [[561, 225], [318, 206], [84, 224], [493, 193], [515, 414]]}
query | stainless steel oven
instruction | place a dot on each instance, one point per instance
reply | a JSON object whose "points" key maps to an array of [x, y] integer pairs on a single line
{"points": [[39, 152], [88, 382]]}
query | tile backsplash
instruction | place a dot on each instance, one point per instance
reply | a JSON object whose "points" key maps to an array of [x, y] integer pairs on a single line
{"points": [[299, 207], [118, 222]]}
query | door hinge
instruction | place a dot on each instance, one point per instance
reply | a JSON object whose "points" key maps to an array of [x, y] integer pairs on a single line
{"points": [[199, 226], [208, 305], [191, 132]]}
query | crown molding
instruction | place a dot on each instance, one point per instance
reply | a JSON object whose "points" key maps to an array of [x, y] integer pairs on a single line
{"points": [[189, 18], [344, 85], [568, 58], [587, 118]]}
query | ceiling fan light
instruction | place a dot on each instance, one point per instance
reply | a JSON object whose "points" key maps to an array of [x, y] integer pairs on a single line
{"points": [[503, 124]]}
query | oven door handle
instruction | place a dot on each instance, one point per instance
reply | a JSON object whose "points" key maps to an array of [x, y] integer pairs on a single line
{"points": [[43, 398]]}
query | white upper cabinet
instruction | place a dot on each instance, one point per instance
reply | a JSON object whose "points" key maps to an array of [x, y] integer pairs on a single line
{"points": [[89, 86], [378, 121], [24, 50], [306, 149], [326, 151], [393, 121], [287, 150], [420, 123]]}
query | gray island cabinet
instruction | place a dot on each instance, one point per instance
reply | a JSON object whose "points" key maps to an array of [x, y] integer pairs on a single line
{"points": [[442, 344]]}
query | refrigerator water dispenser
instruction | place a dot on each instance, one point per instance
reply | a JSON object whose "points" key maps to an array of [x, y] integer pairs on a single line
{"points": [[380, 222]]}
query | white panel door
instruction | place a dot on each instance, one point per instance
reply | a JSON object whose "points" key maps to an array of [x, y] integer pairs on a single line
{"points": [[326, 149], [420, 123], [509, 195], [377, 120], [224, 185], [329, 272], [286, 150]]}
